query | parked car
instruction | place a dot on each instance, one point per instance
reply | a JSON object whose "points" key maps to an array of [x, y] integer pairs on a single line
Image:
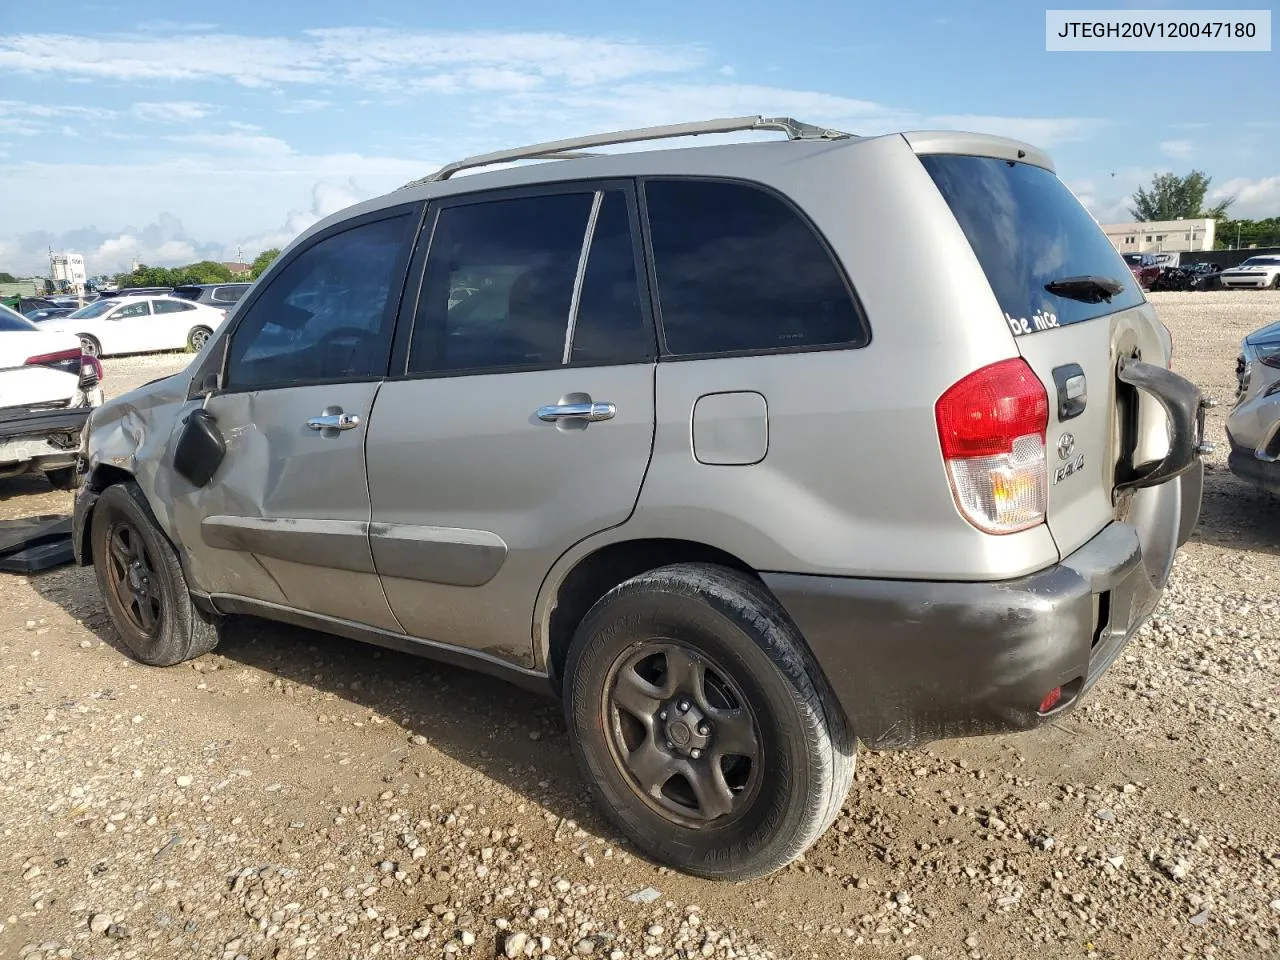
{"points": [[1256, 272], [118, 325], [1144, 268], [1173, 278], [47, 389], [23, 305], [47, 313], [707, 456], [1204, 276], [135, 292], [1253, 426], [223, 296]]}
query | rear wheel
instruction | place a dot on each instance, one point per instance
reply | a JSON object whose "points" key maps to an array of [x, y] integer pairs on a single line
{"points": [[198, 337], [702, 725], [141, 581], [90, 345]]}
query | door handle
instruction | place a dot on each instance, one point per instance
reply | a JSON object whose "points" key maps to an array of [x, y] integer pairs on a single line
{"points": [[589, 411], [334, 421]]}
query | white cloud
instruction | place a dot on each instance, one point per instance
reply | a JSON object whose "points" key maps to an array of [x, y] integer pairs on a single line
{"points": [[1178, 149], [172, 111], [238, 142], [163, 242], [29, 119], [1254, 199], [326, 198], [377, 58]]}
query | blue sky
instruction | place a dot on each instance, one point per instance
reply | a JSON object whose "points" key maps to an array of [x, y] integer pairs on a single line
{"points": [[134, 130]]}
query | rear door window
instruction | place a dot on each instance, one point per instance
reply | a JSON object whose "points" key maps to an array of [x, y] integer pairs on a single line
{"points": [[1027, 229], [738, 271]]}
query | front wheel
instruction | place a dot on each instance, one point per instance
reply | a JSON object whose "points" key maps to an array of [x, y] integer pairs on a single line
{"points": [[702, 725], [142, 584], [198, 337], [1275, 282]]}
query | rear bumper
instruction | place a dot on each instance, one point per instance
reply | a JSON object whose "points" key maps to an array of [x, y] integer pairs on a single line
{"points": [[41, 439], [912, 662], [1245, 464]]}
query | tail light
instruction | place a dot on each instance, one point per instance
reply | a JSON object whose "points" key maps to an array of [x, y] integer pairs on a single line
{"points": [[68, 361], [991, 426], [90, 372]]}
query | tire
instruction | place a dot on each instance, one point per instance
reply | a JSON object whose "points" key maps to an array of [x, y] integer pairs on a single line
{"points": [[760, 697], [197, 338], [126, 538], [63, 478], [90, 345], [1275, 282]]}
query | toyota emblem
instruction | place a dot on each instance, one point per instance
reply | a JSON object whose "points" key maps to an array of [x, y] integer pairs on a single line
{"points": [[1066, 446]]}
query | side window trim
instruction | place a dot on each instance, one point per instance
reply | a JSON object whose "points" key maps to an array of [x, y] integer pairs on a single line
{"points": [[664, 354], [575, 298], [417, 272], [221, 353]]}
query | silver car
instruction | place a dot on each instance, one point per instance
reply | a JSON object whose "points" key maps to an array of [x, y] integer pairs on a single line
{"points": [[683, 437], [1253, 426]]}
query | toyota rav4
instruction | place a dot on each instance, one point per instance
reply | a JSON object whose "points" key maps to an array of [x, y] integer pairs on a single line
{"points": [[680, 436]]}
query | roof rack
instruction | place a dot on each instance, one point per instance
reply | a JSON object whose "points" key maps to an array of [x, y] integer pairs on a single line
{"points": [[571, 149]]}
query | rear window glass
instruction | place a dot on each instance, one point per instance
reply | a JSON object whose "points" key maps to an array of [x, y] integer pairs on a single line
{"points": [[1027, 229], [11, 321]]}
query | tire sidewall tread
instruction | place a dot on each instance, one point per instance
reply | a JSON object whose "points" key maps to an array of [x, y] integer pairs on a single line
{"points": [[185, 632], [762, 648]]}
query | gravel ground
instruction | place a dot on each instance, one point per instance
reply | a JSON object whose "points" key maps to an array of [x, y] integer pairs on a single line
{"points": [[297, 796]]}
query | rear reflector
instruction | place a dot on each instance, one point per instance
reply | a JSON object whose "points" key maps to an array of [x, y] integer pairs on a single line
{"points": [[1051, 700], [991, 427]]}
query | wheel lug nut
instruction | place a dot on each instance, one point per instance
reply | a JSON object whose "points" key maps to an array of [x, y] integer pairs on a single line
{"points": [[695, 753], [670, 745], [662, 714], [704, 729], [684, 706]]}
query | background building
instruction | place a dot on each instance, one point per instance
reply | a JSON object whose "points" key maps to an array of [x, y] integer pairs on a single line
{"points": [[1161, 236]]}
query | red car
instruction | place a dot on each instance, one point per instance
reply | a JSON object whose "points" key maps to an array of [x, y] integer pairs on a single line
{"points": [[1144, 267]]}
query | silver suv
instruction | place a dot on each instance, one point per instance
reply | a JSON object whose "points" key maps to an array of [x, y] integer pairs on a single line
{"points": [[685, 437]]}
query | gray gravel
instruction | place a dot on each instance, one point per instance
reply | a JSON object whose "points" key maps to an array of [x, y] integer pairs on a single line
{"points": [[296, 796]]}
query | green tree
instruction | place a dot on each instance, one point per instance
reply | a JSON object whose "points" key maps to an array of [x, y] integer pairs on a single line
{"points": [[1172, 197], [1247, 233], [262, 261], [7, 277], [206, 271]]}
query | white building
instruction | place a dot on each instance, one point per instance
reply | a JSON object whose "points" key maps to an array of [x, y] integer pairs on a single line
{"points": [[1161, 236]]}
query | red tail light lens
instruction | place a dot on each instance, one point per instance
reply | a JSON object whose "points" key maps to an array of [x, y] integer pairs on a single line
{"points": [[90, 372], [991, 427], [67, 361]]}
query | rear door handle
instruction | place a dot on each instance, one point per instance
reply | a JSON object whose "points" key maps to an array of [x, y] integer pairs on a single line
{"points": [[334, 421], [591, 412]]}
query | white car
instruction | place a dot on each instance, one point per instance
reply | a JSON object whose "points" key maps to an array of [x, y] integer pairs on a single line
{"points": [[140, 324], [48, 387], [1256, 272]]}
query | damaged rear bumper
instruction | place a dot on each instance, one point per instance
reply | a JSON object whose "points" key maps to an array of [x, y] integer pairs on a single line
{"points": [[913, 662]]}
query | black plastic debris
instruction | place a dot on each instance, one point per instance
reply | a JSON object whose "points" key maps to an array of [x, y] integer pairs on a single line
{"points": [[32, 544]]}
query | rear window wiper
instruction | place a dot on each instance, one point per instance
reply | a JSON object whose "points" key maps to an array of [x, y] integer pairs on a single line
{"points": [[1090, 289]]}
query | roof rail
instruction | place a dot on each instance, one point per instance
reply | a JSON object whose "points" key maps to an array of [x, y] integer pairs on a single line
{"points": [[570, 149]]}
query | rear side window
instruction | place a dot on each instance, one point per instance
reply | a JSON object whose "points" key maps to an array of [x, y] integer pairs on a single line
{"points": [[1027, 229], [739, 270], [170, 306], [228, 294]]}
